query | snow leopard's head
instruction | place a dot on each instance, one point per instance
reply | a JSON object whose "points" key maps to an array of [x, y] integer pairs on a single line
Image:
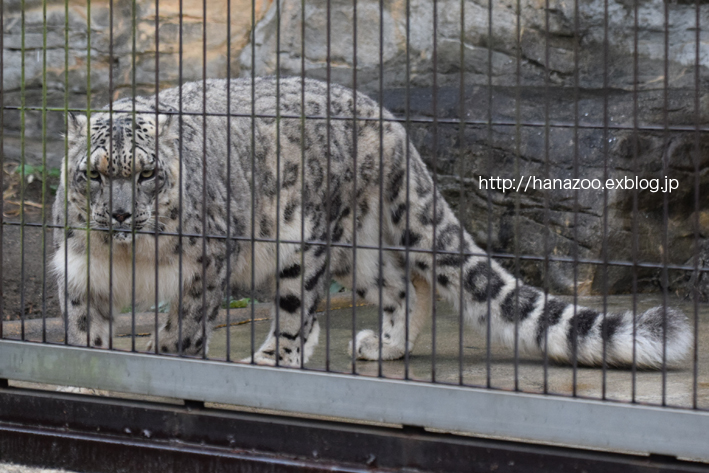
{"points": [[118, 168]]}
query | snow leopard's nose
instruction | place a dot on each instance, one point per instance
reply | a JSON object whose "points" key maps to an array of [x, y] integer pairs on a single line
{"points": [[121, 215]]}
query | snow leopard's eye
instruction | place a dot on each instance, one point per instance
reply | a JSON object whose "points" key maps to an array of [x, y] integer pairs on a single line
{"points": [[147, 174], [93, 174]]}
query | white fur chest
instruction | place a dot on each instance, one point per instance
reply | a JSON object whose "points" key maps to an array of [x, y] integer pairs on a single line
{"points": [[130, 277]]}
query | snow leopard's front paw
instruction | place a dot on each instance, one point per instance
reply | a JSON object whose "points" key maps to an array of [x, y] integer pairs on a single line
{"points": [[287, 357], [169, 344], [261, 358], [367, 347]]}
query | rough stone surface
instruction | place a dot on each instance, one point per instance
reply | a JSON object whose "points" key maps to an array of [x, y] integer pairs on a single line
{"points": [[562, 223], [574, 78], [108, 62], [491, 51]]}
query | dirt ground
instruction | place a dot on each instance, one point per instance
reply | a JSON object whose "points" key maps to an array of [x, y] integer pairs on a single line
{"points": [[25, 289]]}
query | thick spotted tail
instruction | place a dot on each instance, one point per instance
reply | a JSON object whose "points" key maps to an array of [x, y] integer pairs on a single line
{"points": [[546, 324], [542, 323], [517, 313]]}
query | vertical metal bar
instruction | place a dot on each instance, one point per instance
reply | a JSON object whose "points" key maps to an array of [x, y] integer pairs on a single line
{"points": [[381, 182], [407, 111], [574, 320], [354, 185], [22, 174], [157, 168], [547, 165], [635, 231], [204, 179], [665, 204], [66, 172], [434, 161], [697, 157], [44, 172], [328, 200], [277, 333], [604, 241], [229, 241], [462, 174], [488, 326], [133, 97], [110, 177], [518, 156], [88, 181], [253, 178], [302, 181], [181, 181]]}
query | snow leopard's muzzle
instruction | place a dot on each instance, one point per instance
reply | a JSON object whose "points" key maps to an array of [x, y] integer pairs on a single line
{"points": [[123, 206]]}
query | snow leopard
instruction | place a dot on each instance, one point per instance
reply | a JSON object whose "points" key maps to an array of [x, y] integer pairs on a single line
{"points": [[215, 182]]}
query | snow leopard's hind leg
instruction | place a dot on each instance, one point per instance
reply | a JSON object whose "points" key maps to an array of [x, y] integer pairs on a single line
{"points": [[295, 326], [389, 292]]}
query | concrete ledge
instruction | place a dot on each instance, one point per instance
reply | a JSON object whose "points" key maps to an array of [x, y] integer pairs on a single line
{"points": [[145, 321]]}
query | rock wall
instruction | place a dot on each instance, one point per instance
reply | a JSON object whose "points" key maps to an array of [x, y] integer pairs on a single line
{"points": [[550, 66], [533, 68], [111, 61], [490, 49]]}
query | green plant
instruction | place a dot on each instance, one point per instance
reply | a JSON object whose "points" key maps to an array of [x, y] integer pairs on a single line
{"points": [[32, 172], [238, 304]]}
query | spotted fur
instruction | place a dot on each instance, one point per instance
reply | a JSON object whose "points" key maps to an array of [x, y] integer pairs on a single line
{"points": [[143, 174]]}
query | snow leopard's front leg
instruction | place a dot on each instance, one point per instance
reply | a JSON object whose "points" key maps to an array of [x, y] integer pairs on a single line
{"points": [[184, 330], [295, 327], [86, 316]]}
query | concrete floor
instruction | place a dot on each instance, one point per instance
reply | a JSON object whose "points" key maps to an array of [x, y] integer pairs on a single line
{"points": [[529, 375]]}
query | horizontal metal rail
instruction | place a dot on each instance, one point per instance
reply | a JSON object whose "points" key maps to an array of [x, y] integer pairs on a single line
{"points": [[437, 252], [395, 119], [566, 421]]}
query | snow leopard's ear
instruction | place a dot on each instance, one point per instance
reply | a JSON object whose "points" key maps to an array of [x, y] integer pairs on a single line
{"points": [[75, 126], [165, 125]]}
